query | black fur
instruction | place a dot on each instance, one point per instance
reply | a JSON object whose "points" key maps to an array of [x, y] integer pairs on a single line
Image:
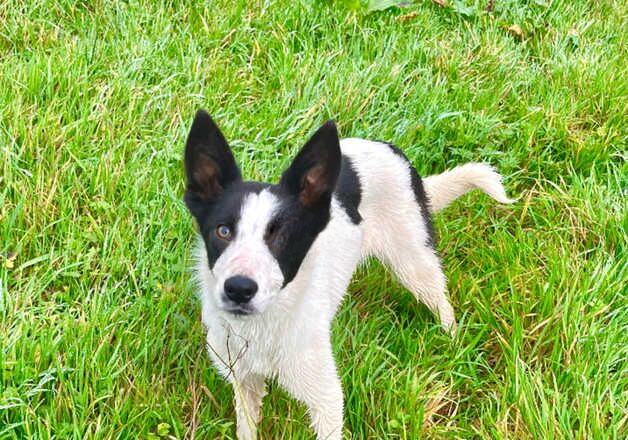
{"points": [[314, 171], [305, 191], [419, 194], [292, 231], [209, 164], [349, 191]]}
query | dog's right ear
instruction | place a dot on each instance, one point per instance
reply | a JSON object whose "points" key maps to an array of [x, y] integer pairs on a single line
{"points": [[209, 164]]}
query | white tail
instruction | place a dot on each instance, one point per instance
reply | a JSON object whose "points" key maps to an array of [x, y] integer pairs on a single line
{"points": [[444, 188]]}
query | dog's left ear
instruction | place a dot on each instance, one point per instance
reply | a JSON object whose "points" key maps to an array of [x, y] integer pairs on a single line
{"points": [[314, 172]]}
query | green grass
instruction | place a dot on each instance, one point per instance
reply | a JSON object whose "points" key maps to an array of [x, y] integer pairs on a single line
{"points": [[100, 335]]}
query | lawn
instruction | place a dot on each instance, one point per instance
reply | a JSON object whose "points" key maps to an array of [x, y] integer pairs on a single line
{"points": [[100, 333]]}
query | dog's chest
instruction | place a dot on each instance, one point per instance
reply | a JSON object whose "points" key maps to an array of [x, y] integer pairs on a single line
{"points": [[258, 346]]}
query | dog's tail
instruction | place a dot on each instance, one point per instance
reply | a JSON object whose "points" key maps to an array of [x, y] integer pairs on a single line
{"points": [[444, 188]]}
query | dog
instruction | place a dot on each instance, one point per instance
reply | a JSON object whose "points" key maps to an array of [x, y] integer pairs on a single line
{"points": [[274, 261]]}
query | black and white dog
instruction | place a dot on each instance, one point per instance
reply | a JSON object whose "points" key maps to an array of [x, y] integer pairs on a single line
{"points": [[275, 260]]}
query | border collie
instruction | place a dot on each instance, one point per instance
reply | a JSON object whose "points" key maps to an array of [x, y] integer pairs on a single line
{"points": [[274, 261]]}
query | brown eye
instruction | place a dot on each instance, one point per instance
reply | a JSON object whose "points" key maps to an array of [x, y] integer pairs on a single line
{"points": [[272, 229], [223, 232], [274, 236], [279, 241]]}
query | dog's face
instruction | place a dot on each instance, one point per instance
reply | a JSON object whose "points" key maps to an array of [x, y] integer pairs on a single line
{"points": [[256, 234]]}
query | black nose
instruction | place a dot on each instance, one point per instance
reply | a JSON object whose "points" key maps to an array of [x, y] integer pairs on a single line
{"points": [[240, 289]]}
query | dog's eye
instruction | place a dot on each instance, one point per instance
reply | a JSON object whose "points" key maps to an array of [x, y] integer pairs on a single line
{"points": [[278, 241], [272, 229], [223, 232], [274, 236]]}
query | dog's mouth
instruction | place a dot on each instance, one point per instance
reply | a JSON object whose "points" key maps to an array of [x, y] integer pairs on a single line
{"points": [[238, 309]]}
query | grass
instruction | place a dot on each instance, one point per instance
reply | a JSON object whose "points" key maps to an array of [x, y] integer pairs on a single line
{"points": [[100, 334]]}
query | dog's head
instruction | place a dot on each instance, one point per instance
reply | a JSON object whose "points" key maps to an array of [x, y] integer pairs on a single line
{"points": [[256, 234]]}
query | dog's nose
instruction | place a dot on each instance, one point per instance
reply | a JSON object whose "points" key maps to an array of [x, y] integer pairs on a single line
{"points": [[240, 289]]}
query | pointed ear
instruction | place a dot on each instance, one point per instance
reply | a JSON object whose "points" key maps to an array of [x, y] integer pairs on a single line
{"points": [[314, 172], [209, 163]]}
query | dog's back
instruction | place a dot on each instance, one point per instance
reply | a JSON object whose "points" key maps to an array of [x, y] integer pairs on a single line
{"points": [[394, 207]]}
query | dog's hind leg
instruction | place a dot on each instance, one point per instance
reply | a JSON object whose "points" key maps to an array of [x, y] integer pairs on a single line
{"points": [[419, 269], [401, 242]]}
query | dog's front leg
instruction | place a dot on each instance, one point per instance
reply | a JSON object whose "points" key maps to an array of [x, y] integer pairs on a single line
{"points": [[249, 392], [312, 379]]}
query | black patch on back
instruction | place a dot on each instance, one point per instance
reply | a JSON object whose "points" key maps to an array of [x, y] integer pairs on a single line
{"points": [[291, 232], [349, 191], [224, 211], [419, 194]]}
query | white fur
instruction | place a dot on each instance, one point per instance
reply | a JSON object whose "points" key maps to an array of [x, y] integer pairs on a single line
{"points": [[290, 340], [446, 187]]}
